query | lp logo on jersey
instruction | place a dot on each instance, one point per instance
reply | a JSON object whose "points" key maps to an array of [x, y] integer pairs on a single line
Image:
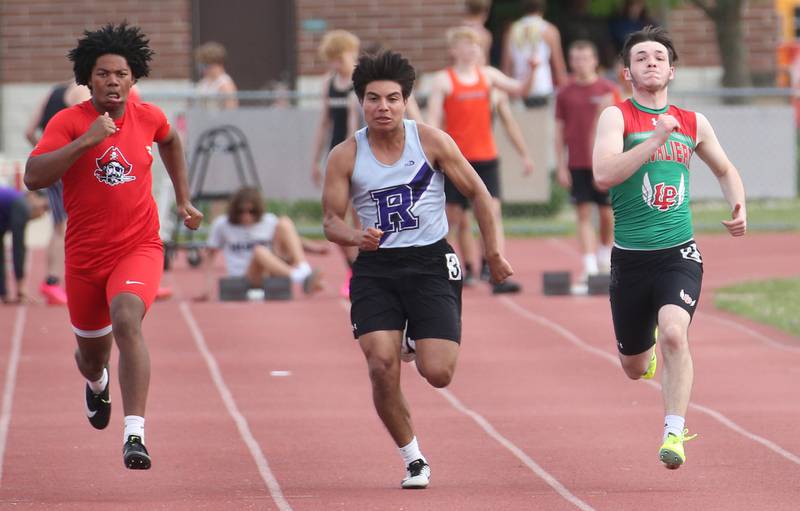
{"points": [[662, 196], [112, 168]]}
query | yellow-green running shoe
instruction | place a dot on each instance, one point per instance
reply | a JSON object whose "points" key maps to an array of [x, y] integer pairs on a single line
{"points": [[671, 452], [651, 367]]}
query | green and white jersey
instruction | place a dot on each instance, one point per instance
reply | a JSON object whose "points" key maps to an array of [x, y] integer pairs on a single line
{"points": [[651, 208]]}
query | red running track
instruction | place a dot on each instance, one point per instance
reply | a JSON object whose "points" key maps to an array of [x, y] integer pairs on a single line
{"points": [[539, 415]]}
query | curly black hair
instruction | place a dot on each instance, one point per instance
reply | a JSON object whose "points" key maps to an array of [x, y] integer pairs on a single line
{"points": [[123, 40], [386, 65]]}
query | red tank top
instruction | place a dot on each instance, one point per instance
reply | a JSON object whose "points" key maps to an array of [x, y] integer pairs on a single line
{"points": [[468, 118]]}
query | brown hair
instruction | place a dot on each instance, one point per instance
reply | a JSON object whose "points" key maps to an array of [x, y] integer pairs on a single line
{"points": [[210, 53], [648, 33], [583, 44], [243, 196]]}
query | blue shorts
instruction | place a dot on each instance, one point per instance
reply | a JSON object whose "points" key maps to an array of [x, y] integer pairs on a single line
{"points": [[55, 193]]}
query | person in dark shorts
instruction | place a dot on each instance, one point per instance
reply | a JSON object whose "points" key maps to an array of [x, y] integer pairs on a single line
{"points": [[577, 106], [17, 208], [406, 275], [642, 151], [460, 103], [339, 117]]}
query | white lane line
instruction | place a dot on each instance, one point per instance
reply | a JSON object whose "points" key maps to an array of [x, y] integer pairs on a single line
{"points": [[580, 343], [516, 451], [241, 423], [757, 335], [10, 383]]}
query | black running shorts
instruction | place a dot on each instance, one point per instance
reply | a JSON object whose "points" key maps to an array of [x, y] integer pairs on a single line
{"points": [[488, 171], [644, 281], [420, 286], [583, 188]]}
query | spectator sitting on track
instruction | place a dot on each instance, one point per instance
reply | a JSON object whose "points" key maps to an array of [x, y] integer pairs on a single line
{"points": [[257, 245], [16, 209]]}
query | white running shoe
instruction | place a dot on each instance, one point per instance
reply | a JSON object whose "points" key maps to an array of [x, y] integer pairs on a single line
{"points": [[418, 475]]}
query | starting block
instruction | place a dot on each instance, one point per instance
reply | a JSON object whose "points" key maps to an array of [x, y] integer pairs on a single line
{"points": [[598, 284], [556, 283], [239, 289], [559, 283]]}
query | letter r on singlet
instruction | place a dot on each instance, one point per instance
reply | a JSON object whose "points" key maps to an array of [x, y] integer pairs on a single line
{"points": [[394, 209]]}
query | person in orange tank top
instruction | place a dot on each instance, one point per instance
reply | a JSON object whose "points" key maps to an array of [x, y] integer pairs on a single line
{"points": [[460, 104]]}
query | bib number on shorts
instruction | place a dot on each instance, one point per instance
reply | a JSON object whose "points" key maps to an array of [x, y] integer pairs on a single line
{"points": [[692, 253], [453, 267]]}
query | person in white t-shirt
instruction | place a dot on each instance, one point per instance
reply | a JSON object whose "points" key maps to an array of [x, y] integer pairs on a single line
{"points": [[256, 244]]}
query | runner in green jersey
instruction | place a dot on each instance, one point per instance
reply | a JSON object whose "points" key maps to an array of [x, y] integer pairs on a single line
{"points": [[642, 152]]}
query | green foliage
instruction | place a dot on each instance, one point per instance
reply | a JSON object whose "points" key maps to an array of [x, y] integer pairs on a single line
{"points": [[299, 211], [773, 302], [611, 7]]}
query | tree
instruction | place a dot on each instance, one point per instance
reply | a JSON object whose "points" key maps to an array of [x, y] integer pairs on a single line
{"points": [[727, 18]]}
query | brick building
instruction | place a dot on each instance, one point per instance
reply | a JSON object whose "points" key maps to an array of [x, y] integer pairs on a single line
{"points": [[280, 37]]}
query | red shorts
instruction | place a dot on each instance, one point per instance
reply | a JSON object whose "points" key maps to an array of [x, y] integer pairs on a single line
{"points": [[89, 293]]}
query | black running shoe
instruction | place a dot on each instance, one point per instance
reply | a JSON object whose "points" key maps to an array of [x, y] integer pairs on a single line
{"points": [[134, 454], [98, 406], [486, 274], [507, 286], [469, 278]]}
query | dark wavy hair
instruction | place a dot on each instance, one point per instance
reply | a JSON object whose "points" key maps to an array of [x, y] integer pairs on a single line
{"points": [[385, 65], [124, 40], [242, 197], [649, 33]]}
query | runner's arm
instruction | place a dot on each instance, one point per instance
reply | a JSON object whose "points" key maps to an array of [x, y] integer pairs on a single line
{"points": [[44, 169], [449, 159], [710, 151], [610, 164], [336, 200], [171, 151]]}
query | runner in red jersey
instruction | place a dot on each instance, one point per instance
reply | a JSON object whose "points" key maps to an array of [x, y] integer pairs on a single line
{"points": [[101, 150]]}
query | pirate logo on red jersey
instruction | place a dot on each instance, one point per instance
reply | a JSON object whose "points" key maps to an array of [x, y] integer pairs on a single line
{"points": [[663, 196], [112, 168]]}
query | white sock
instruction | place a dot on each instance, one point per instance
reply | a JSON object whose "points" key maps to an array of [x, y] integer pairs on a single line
{"points": [[411, 452], [98, 386], [673, 424], [300, 272], [590, 264], [604, 256], [134, 425]]}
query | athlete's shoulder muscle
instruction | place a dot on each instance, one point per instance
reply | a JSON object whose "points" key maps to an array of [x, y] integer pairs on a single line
{"points": [[434, 142], [342, 157]]}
